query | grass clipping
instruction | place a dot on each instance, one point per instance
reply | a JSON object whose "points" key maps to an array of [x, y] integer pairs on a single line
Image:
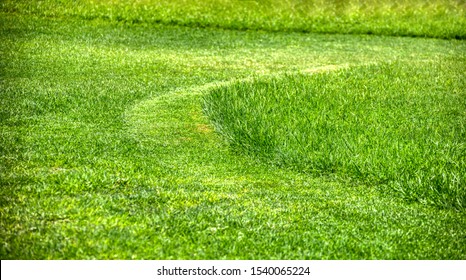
{"points": [[394, 125]]}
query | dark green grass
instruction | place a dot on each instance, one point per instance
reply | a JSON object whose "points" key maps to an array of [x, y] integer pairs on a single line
{"points": [[418, 18], [399, 125], [106, 154]]}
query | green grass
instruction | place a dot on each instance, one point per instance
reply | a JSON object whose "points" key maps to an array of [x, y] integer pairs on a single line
{"points": [[398, 125], [105, 152], [419, 18]]}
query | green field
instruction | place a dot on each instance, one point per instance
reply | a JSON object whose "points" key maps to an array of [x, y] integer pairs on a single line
{"points": [[232, 129]]}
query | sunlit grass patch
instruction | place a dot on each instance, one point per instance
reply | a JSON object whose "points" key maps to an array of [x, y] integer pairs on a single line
{"points": [[417, 18], [395, 125]]}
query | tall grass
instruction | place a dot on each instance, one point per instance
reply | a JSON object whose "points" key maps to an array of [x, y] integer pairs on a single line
{"points": [[434, 18], [396, 125]]}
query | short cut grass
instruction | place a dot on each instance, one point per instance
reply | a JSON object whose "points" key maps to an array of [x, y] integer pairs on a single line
{"points": [[105, 152], [418, 18]]}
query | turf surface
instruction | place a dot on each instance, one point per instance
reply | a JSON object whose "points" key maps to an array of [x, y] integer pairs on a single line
{"points": [[106, 152]]}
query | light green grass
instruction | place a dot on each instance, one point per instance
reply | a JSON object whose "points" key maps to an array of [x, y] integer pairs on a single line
{"points": [[400, 126], [419, 18], [106, 153]]}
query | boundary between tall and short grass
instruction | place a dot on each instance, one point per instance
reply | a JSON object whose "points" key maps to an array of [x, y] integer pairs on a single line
{"points": [[394, 125], [109, 156]]}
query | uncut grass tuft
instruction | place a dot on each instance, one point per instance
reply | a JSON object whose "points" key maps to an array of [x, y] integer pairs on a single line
{"points": [[395, 125]]}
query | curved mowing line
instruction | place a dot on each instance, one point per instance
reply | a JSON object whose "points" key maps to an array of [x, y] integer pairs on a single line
{"points": [[201, 89], [159, 120], [180, 137], [320, 69], [138, 123], [139, 114], [174, 129]]}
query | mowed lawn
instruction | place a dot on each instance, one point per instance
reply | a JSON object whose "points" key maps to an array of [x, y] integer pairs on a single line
{"points": [[110, 149]]}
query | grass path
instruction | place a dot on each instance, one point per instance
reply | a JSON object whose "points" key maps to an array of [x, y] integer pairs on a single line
{"points": [[106, 152], [307, 217]]}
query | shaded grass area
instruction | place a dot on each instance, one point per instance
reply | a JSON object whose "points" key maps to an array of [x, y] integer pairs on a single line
{"points": [[418, 18], [398, 125], [106, 153]]}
